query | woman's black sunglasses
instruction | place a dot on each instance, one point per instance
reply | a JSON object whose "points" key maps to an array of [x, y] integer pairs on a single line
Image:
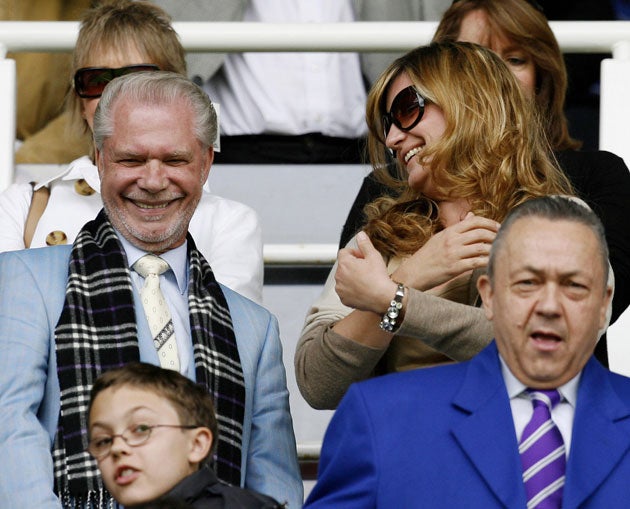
{"points": [[406, 111], [90, 82]]}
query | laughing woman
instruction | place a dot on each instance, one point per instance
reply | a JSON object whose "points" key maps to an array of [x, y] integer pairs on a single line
{"points": [[518, 31], [468, 148]]}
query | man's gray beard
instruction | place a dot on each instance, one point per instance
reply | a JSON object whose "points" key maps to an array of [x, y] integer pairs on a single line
{"points": [[157, 242]]}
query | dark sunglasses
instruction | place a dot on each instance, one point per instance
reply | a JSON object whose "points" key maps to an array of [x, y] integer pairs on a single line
{"points": [[90, 82], [406, 111]]}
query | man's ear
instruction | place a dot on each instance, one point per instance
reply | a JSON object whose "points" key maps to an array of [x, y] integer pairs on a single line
{"points": [[98, 162], [604, 319], [200, 444], [209, 159], [484, 287]]}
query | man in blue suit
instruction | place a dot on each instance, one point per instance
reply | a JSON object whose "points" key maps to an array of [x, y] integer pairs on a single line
{"points": [[71, 312], [465, 435]]}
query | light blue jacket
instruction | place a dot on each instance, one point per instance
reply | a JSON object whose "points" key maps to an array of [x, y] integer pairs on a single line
{"points": [[32, 291]]}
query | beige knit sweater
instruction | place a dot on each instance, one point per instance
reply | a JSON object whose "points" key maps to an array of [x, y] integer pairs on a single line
{"points": [[438, 327]]}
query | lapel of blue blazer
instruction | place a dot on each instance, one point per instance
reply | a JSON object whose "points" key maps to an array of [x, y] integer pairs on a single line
{"points": [[487, 435], [601, 434]]}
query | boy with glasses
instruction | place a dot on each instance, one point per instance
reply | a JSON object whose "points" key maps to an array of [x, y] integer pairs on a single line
{"points": [[152, 430]]}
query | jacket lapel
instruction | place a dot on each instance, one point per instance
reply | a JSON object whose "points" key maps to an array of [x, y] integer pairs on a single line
{"points": [[487, 435], [601, 434]]}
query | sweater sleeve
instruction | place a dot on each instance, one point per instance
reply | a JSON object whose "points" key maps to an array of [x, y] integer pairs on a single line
{"points": [[326, 363]]}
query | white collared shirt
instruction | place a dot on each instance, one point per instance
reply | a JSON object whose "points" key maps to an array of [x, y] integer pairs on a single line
{"points": [[292, 93], [174, 286], [522, 408]]}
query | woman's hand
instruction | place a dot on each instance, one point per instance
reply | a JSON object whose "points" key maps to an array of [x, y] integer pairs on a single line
{"points": [[362, 279], [455, 250]]}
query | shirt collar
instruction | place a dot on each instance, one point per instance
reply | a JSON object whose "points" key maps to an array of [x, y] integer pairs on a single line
{"points": [[177, 259], [81, 168], [516, 388]]}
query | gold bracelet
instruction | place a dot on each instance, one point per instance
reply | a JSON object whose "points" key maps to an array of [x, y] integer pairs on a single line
{"points": [[388, 323]]}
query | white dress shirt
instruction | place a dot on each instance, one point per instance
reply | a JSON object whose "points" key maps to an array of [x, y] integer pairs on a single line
{"points": [[522, 408], [174, 287], [292, 93]]}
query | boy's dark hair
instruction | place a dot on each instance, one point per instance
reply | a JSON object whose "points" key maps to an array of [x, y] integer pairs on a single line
{"points": [[193, 404]]}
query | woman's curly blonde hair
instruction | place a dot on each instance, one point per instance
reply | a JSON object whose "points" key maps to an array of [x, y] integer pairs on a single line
{"points": [[493, 152]]}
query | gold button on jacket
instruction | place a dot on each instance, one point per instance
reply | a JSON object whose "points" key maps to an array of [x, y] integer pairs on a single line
{"points": [[56, 238], [83, 188]]}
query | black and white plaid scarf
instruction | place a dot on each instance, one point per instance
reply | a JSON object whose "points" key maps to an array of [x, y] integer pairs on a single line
{"points": [[97, 332]]}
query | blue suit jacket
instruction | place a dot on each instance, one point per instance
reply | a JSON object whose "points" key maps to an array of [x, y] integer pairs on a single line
{"points": [[444, 437], [32, 291]]}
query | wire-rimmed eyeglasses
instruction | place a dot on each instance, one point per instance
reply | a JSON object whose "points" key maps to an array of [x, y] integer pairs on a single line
{"points": [[100, 445]]}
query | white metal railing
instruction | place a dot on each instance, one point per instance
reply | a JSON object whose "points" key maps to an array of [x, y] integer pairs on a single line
{"points": [[573, 36], [601, 36], [300, 253], [309, 450]]}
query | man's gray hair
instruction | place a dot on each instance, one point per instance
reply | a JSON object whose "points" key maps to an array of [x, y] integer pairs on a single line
{"points": [[553, 208], [156, 88]]}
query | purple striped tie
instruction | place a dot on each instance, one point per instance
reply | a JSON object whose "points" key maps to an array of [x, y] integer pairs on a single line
{"points": [[543, 454]]}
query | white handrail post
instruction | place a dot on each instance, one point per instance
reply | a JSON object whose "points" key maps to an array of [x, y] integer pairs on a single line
{"points": [[615, 102], [7, 125]]}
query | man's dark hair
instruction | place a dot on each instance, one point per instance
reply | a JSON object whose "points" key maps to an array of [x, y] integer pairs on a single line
{"points": [[553, 208]]}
